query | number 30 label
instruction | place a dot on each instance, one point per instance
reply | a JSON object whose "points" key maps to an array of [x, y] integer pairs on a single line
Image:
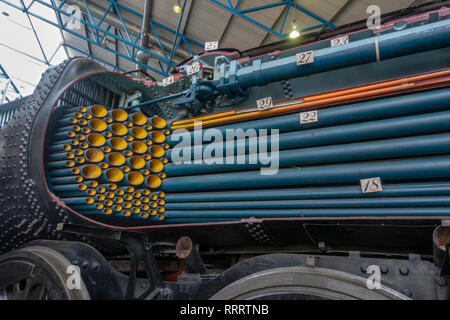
{"points": [[371, 185], [305, 57], [309, 117]]}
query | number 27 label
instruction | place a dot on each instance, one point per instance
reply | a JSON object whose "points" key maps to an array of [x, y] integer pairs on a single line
{"points": [[306, 57]]}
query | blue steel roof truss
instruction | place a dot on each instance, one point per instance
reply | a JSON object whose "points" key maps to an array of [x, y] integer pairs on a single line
{"points": [[99, 30], [10, 86], [288, 4]]}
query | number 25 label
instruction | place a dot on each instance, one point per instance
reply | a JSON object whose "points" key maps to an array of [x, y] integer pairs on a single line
{"points": [[309, 117], [212, 45], [371, 185]]}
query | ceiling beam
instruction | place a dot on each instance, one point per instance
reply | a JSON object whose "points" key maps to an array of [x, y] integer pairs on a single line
{"points": [[134, 29]]}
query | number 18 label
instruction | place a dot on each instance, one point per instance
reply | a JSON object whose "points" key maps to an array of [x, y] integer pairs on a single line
{"points": [[371, 185]]}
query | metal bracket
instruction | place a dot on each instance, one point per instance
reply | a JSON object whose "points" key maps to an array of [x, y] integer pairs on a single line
{"points": [[259, 233], [445, 269], [139, 248]]}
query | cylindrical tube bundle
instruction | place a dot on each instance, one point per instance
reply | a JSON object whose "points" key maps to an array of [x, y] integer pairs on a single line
{"points": [[362, 131], [403, 140], [338, 192], [392, 148], [410, 169], [430, 101], [93, 166]]}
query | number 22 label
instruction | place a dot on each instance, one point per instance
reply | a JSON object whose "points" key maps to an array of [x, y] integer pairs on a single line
{"points": [[309, 117]]}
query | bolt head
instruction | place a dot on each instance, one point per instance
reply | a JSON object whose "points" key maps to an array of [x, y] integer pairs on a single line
{"points": [[404, 270], [407, 292], [441, 281]]}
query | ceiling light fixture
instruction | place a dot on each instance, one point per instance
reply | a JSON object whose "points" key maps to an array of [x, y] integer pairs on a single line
{"points": [[294, 33], [177, 7]]}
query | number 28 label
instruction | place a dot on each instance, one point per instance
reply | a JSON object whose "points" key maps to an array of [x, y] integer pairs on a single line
{"points": [[339, 41], [309, 117], [371, 185]]}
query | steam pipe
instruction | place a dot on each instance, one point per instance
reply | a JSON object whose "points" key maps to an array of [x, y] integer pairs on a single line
{"points": [[386, 128], [316, 204], [392, 148], [145, 33], [426, 168], [290, 213], [430, 101], [380, 47]]}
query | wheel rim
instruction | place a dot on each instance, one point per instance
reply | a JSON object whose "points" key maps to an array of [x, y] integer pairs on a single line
{"points": [[304, 283], [37, 273]]}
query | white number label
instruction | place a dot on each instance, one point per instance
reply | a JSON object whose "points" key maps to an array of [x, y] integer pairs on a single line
{"points": [[309, 117], [339, 41], [264, 104], [371, 185], [305, 57], [193, 69], [213, 45], [168, 81]]}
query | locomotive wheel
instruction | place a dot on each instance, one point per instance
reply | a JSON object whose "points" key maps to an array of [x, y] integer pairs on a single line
{"points": [[304, 283], [37, 273]]}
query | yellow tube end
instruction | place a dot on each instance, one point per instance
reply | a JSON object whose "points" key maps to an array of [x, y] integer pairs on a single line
{"points": [[114, 175], [119, 129], [154, 181], [91, 171], [139, 133], [135, 178], [139, 119], [116, 159], [158, 122], [119, 115], [98, 125], [98, 111]]}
